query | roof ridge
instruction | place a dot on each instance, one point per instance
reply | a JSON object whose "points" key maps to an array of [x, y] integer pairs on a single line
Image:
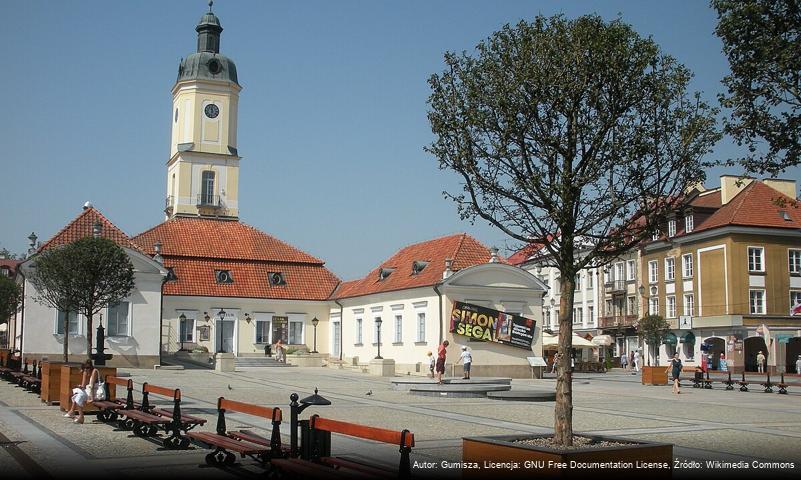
{"points": [[128, 237], [63, 229], [459, 247]]}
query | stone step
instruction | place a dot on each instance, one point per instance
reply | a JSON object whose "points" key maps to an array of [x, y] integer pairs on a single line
{"points": [[258, 362]]}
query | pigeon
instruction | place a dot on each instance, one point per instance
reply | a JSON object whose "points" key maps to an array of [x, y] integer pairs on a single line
{"points": [[229, 387], [369, 392]]}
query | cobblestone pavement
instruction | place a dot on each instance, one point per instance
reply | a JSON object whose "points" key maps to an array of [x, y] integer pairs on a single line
{"points": [[729, 426]]}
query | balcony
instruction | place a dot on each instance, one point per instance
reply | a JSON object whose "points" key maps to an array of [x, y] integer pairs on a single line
{"points": [[169, 203], [616, 287], [617, 321], [209, 201]]}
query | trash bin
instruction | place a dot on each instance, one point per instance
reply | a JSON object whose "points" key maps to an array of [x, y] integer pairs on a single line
{"points": [[268, 350]]}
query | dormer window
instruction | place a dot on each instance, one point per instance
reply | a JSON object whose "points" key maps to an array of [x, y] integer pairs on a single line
{"points": [[5, 271], [689, 223], [171, 277], [276, 279], [418, 266], [672, 227], [383, 273], [223, 276]]}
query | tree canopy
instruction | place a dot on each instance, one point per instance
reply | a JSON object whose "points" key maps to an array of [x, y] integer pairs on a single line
{"points": [[653, 329], [762, 40], [569, 132], [10, 297]]}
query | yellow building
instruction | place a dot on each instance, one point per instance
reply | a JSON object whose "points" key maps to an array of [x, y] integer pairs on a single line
{"points": [[725, 272]]}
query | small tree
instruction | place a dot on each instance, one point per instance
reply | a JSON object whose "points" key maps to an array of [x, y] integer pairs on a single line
{"points": [[569, 133], [762, 40], [652, 329], [84, 276], [10, 297]]}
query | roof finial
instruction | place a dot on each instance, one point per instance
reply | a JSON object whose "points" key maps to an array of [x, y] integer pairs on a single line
{"points": [[211, 3]]}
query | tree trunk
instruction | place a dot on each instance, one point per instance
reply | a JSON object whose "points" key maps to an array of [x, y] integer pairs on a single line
{"points": [[66, 336], [89, 333], [563, 411]]}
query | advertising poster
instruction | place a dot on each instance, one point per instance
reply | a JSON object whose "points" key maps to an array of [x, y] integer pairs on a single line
{"points": [[280, 329], [488, 325]]}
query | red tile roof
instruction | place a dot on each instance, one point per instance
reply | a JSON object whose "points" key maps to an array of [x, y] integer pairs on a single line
{"points": [[525, 253], [756, 206], [10, 264], [196, 247], [224, 239], [707, 200], [83, 225], [464, 250]]}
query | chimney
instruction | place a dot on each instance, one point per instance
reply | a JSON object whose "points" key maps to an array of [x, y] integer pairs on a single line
{"points": [[494, 253], [787, 187], [731, 185], [448, 268], [97, 229]]}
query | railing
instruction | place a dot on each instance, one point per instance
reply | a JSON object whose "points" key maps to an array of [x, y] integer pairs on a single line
{"points": [[209, 201], [169, 201], [617, 321], [616, 286]]}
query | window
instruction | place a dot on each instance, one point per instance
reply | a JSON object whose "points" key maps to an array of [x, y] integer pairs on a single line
{"points": [[187, 329], [689, 304], [653, 306], [207, 188], [295, 332], [358, 331], [689, 350], [670, 269], [223, 276], [688, 224], [398, 328], [171, 277], [118, 320], [795, 298], [276, 279], [756, 299], [73, 328], [590, 274], [376, 321], [263, 331], [383, 273], [687, 265], [610, 309], [620, 271], [631, 273], [577, 282], [577, 315], [590, 315], [421, 327], [671, 306], [672, 227], [556, 318], [653, 271], [632, 306], [756, 259], [418, 266], [794, 259], [607, 275]]}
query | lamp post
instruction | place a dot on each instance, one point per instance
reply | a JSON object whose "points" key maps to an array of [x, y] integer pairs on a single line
{"points": [[295, 409], [220, 328], [314, 323], [181, 329], [378, 322]]}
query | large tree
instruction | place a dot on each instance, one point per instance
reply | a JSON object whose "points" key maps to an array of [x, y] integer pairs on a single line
{"points": [[762, 40], [87, 275], [568, 132]]}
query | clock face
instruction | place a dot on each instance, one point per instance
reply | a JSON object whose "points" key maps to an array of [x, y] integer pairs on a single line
{"points": [[212, 110]]}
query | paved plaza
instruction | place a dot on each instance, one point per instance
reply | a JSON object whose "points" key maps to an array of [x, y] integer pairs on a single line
{"points": [[704, 425]]}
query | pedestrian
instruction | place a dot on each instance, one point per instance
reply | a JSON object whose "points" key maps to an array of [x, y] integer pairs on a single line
{"points": [[440, 367], [83, 393], [723, 366], [467, 359], [431, 363], [760, 362], [631, 359], [675, 366], [624, 361], [636, 360], [798, 365], [280, 356], [555, 360]]}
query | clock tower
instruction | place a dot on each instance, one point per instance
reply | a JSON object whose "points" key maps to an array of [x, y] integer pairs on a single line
{"points": [[203, 169]]}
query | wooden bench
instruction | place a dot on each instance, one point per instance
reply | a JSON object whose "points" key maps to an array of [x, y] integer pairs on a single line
{"points": [[322, 465], [11, 366], [110, 406], [784, 384], [147, 421], [246, 444], [18, 375], [33, 382]]}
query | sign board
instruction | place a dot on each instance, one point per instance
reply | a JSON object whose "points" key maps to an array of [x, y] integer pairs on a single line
{"points": [[536, 361], [204, 333], [685, 322], [488, 325], [280, 329]]}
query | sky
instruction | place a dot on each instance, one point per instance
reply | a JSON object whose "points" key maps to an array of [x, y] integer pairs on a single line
{"points": [[332, 116]]}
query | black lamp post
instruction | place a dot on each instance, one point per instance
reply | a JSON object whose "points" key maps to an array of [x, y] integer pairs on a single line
{"points": [[314, 323], [181, 327], [378, 322], [295, 409], [220, 328]]}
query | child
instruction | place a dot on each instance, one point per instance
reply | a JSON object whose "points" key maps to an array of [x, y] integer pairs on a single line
{"points": [[431, 363], [467, 359]]}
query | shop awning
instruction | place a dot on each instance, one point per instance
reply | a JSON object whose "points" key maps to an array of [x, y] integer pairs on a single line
{"points": [[688, 337], [670, 339], [602, 340], [578, 342]]}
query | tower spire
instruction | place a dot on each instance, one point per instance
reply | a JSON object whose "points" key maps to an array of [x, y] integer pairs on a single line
{"points": [[208, 32]]}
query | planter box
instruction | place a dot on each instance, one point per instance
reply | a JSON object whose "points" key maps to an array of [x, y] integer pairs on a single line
{"points": [[51, 382], [71, 376], [654, 376], [532, 461]]}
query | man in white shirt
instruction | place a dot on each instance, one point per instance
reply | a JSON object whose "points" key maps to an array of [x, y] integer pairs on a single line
{"points": [[636, 360], [467, 358]]}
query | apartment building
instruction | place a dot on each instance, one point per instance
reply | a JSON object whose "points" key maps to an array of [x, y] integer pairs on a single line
{"points": [[725, 271]]}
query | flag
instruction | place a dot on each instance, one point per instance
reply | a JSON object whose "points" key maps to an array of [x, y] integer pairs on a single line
{"points": [[763, 332], [796, 310]]}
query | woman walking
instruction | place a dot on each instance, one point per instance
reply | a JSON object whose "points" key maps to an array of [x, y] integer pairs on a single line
{"points": [[675, 365]]}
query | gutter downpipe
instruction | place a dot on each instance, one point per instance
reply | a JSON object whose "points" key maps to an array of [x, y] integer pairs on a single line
{"points": [[439, 294], [21, 319], [161, 318], [341, 320]]}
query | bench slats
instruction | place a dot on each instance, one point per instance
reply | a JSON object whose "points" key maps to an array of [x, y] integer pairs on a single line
{"points": [[184, 418], [167, 392], [314, 470], [143, 417], [222, 441], [257, 410], [361, 431]]}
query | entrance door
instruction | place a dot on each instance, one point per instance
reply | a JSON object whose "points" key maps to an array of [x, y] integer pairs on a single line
{"points": [[336, 337], [752, 346], [793, 351], [226, 333], [717, 346]]}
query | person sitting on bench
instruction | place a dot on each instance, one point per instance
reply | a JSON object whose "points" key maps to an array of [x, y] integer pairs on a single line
{"points": [[84, 392]]}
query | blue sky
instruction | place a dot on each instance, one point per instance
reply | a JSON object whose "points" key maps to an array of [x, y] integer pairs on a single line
{"points": [[332, 116]]}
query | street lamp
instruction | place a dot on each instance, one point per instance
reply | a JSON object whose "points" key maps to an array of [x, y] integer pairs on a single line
{"points": [[314, 323], [220, 328], [378, 322], [182, 329], [295, 409]]}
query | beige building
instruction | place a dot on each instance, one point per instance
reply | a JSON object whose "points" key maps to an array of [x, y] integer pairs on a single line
{"points": [[725, 272]]}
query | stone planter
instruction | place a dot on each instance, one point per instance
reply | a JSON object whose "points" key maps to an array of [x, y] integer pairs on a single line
{"points": [[489, 454], [71, 376], [306, 360], [654, 376]]}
